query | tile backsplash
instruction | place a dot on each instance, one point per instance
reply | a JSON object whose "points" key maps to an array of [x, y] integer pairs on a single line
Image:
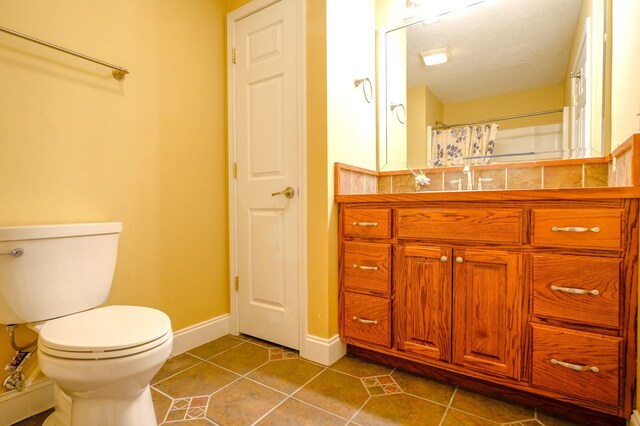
{"points": [[621, 168]]}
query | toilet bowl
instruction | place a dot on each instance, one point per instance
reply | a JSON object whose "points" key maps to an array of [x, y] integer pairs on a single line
{"points": [[102, 358]]}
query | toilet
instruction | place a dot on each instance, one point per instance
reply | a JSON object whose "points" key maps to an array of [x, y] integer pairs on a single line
{"points": [[54, 278]]}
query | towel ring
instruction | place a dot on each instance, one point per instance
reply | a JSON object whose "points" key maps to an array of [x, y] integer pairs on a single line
{"points": [[358, 82], [395, 108]]}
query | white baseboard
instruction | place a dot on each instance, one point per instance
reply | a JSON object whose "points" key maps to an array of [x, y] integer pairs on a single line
{"points": [[199, 334], [323, 351], [635, 418], [16, 406]]}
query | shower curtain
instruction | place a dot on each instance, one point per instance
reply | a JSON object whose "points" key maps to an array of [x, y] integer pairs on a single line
{"points": [[459, 145]]}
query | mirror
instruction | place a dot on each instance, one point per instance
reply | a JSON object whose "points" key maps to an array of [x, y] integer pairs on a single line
{"points": [[513, 70]]}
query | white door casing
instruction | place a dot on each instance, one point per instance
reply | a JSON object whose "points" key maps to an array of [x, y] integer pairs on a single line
{"points": [[265, 131], [580, 99]]}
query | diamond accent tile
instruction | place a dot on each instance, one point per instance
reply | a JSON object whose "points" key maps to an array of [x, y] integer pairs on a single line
{"points": [[195, 413], [199, 401], [379, 385], [276, 354], [180, 404]]}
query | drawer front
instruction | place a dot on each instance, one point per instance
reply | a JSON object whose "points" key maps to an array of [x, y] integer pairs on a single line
{"points": [[583, 353], [490, 225], [373, 223], [367, 318], [577, 288], [366, 267], [594, 228]]}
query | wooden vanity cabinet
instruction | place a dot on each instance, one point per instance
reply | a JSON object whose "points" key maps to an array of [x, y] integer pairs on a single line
{"points": [[536, 296]]}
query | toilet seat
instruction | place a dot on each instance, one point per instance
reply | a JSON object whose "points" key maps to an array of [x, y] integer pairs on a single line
{"points": [[103, 333]]}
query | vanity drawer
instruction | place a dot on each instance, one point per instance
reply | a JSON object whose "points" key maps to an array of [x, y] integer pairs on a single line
{"points": [[366, 267], [594, 228], [577, 288], [374, 223], [367, 318], [483, 225], [571, 362]]}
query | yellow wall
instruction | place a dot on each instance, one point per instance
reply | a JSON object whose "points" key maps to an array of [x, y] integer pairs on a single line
{"points": [[542, 99], [149, 151], [320, 308], [416, 127]]}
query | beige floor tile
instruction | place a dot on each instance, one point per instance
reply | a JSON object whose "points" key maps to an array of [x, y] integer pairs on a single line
{"points": [[458, 418], [197, 422], [296, 413], [549, 420], [423, 387], [399, 409], [243, 358], [175, 365], [360, 367], [264, 343], [161, 405], [286, 375], [490, 408], [203, 379], [215, 347], [242, 403], [335, 392]]}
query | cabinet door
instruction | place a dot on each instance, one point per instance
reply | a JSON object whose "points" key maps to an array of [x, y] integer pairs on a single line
{"points": [[423, 301], [488, 294]]}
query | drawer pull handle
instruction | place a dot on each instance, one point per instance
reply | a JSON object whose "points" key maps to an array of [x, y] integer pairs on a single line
{"points": [[574, 229], [365, 223], [365, 321], [444, 259], [574, 290], [574, 366], [459, 259], [366, 268]]}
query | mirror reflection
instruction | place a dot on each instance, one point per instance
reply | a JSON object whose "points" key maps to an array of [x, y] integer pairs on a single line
{"points": [[497, 81]]}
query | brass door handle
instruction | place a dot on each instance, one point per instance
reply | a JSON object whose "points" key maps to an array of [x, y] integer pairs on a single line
{"points": [[287, 192]]}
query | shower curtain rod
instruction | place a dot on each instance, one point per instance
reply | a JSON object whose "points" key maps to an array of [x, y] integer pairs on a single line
{"points": [[117, 72], [440, 125]]}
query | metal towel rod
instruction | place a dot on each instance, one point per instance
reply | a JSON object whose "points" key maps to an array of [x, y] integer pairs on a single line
{"points": [[117, 72]]}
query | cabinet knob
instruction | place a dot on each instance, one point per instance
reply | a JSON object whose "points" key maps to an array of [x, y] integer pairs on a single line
{"points": [[459, 259], [444, 259]]}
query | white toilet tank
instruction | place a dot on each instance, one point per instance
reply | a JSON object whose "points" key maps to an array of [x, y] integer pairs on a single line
{"points": [[63, 269]]}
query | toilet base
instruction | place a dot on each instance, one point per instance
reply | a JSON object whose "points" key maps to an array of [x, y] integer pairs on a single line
{"points": [[136, 411]]}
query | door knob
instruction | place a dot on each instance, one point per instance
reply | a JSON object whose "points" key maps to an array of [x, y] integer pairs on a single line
{"points": [[287, 192]]}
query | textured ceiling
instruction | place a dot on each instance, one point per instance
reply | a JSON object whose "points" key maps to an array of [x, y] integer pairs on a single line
{"points": [[495, 47]]}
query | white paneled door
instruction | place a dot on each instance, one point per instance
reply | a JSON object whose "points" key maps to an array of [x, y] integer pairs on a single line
{"points": [[266, 140]]}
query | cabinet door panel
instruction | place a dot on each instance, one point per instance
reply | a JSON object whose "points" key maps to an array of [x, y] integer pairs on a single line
{"points": [[423, 301], [487, 311]]}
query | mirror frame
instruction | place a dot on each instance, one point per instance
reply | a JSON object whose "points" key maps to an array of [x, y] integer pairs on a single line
{"points": [[597, 131]]}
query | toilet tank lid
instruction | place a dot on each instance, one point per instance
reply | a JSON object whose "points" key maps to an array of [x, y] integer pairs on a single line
{"points": [[35, 232]]}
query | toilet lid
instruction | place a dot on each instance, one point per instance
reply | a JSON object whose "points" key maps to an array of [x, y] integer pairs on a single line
{"points": [[107, 329]]}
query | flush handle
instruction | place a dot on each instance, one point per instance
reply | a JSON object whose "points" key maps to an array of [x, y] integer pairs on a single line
{"points": [[287, 192], [16, 252]]}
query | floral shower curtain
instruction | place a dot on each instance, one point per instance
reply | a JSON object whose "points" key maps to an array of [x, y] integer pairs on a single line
{"points": [[458, 145]]}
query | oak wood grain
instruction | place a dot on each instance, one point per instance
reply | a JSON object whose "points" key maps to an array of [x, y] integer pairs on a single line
{"points": [[491, 225], [423, 301], [579, 349], [360, 309], [487, 309], [372, 223], [582, 273], [606, 221], [360, 259]]}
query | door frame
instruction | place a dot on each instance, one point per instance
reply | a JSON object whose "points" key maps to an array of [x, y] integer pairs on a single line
{"points": [[232, 17]]}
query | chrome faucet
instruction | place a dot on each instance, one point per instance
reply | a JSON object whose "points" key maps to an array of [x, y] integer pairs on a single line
{"points": [[467, 171]]}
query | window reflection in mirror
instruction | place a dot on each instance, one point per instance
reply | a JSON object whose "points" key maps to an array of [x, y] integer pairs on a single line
{"points": [[523, 81]]}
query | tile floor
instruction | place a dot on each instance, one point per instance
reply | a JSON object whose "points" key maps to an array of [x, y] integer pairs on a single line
{"points": [[245, 381]]}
